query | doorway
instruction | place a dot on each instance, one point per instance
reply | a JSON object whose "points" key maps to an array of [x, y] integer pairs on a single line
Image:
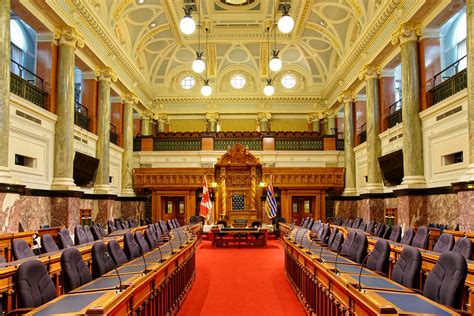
{"points": [[302, 206], [174, 207]]}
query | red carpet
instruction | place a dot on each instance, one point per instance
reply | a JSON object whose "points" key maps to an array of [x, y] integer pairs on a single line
{"points": [[249, 281]]}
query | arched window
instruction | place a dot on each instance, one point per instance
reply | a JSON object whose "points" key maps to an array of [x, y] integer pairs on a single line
{"points": [[461, 44], [18, 46]]}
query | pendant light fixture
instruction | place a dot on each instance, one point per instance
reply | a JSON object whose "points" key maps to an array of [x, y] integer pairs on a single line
{"points": [[206, 89], [269, 90], [275, 62], [286, 22], [187, 24], [198, 63]]}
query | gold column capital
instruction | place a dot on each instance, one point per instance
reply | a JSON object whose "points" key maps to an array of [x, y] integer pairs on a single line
{"points": [[105, 74], [314, 116], [370, 72], [264, 116], [161, 117], [130, 97], [406, 32], [346, 97], [212, 116], [69, 35]]}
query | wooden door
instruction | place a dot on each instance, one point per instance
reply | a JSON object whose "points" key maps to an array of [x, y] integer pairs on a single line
{"points": [[302, 206], [174, 207]]}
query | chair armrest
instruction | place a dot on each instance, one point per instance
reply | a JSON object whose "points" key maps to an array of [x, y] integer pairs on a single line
{"points": [[417, 291], [20, 311]]}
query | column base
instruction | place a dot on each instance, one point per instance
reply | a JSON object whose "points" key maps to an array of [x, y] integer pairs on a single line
{"points": [[349, 192], [469, 175], [64, 184], [413, 182], [374, 188], [127, 192], [5, 175], [102, 189]]}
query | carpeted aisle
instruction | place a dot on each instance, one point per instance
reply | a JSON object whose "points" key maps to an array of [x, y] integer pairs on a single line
{"points": [[232, 281]]}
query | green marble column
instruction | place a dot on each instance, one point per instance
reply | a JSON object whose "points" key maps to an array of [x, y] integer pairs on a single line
{"points": [[407, 36], [331, 123], [349, 157], [102, 182], [370, 74], [127, 156], [470, 83], [4, 90], [68, 39]]}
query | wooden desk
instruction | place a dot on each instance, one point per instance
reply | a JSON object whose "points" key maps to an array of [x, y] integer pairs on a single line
{"points": [[324, 292], [159, 292], [6, 243], [239, 235]]}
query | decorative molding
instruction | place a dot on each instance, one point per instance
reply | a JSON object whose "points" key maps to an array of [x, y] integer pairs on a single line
{"points": [[305, 177], [346, 97], [69, 35], [370, 72], [237, 99], [105, 74], [406, 32]]}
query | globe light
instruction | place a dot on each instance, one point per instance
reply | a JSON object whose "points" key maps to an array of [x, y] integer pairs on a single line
{"points": [[275, 62], [269, 90], [286, 23], [198, 63], [206, 90], [187, 24]]}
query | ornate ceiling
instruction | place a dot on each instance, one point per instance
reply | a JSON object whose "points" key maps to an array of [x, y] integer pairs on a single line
{"points": [[148, 33]]}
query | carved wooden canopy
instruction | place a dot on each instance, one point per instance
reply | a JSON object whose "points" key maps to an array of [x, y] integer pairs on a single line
{"points": [[238, 155]]}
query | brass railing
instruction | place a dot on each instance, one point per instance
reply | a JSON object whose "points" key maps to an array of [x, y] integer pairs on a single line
{"points": [[81, 116], [27, 85], [395, 114], [447, 82]]}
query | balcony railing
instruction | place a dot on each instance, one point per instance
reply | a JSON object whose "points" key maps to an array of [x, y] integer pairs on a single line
{"points": [[81, 116], [113, 134], [299, 144], [447, 82], [27, 85], [340, 144], [363, 133], [395, 114]]}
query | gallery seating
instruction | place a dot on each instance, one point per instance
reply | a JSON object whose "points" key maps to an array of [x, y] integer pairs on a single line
{"points": [[116, 252], [101, 261]]}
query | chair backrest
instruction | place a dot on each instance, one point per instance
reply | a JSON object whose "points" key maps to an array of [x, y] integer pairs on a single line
{"points": [[80, 236], [332, 236], [408, 237], [130, 246], [326, 231], [101, 230], [356, 223], [395, 234], [141, 242], [444, 243], [74, 269], [349, 223], [420, 239], [110, 226], [464, 247], [361, 225], [101, 260], [379, 257], [379, 229], [65, 239], [117, 253], [119, 224], [21, 250], [150, 238], [370, 227], [96, 232], [164, 229], [445, 283], [303, 222], [176, 223], [33, 284], [348, 243], [158, 232], [48, 244], [337, 242], [90, 237], [358, 250], [407, 268]]}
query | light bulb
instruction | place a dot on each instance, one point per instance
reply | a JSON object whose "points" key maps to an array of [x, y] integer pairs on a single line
{"points": [[286, 24], [275, 64], [269, 90], [187, 25], [206, 90], [199, 65]]}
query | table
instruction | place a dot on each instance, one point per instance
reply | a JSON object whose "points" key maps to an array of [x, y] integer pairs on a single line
{"points": [[240, 236]]}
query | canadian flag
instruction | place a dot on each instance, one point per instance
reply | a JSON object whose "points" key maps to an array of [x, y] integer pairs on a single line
{"points": [[206, 204]]}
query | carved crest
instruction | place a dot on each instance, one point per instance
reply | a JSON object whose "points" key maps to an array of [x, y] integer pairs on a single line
{"points": [[238, 154]]}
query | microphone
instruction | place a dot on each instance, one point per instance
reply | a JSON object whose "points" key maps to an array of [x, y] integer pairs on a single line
{"points": [[320, 259], [457, 248], [161, 255], [301, 240], [106, 258], [337, 255], [145, 271], [309, 249], [359, 286], [171, 245], [296, 234], [180, 241]]}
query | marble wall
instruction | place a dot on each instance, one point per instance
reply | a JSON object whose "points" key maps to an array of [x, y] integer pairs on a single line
{"points": [[35, 211]]}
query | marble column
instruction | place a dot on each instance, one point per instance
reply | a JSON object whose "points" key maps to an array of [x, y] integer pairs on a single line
{"points": [[370, 74], [331, 123], [127, 157], [102, 182], [64, 133], [314, 120], [146, 124], [349, 157], [407, 35], [470, 85], [263, 119], [212, 119], [5, 176], [162, 120]]}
